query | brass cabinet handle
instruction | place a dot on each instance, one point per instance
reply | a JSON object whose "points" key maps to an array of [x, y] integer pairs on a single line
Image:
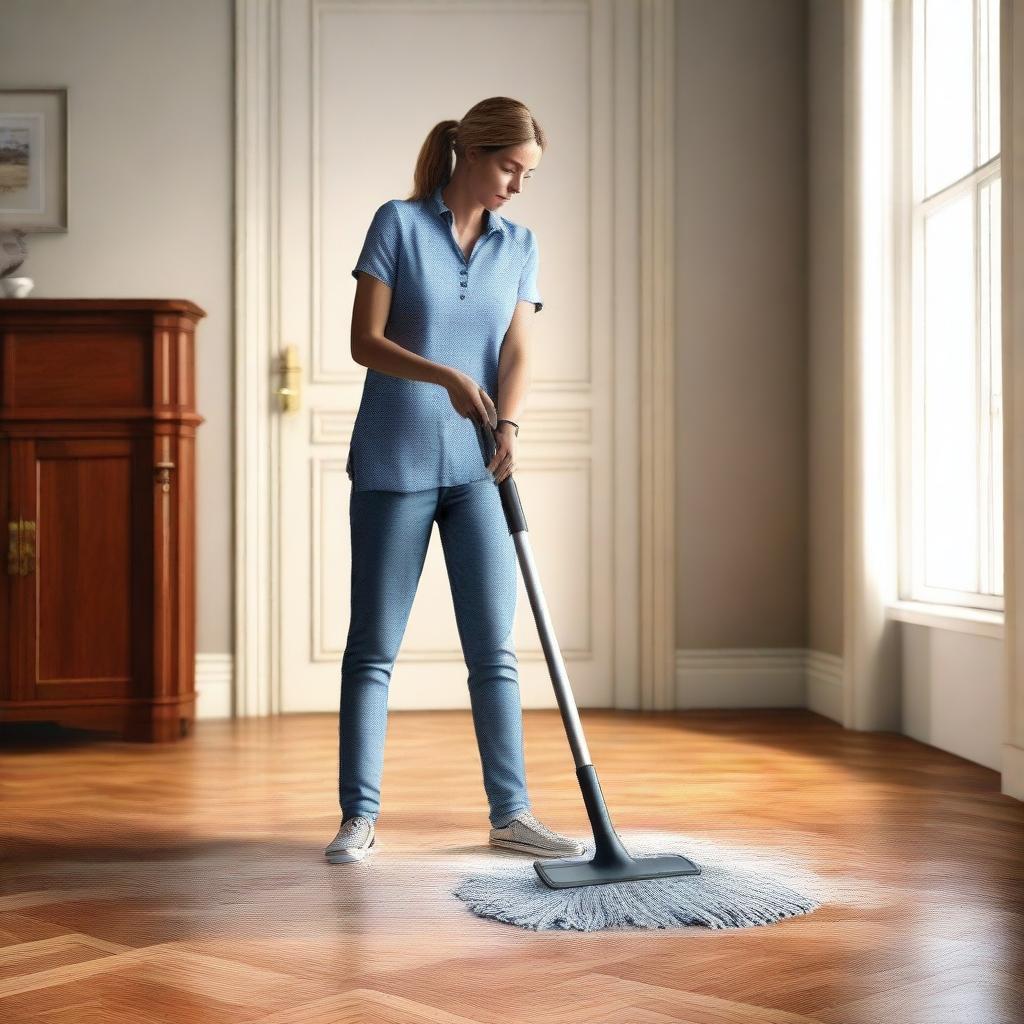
{"points": [[28, 547], [14, 548], [163, 475], [21, 548]]}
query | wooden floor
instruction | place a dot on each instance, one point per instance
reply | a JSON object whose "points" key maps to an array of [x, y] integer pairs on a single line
{"points": [[187, 882]]}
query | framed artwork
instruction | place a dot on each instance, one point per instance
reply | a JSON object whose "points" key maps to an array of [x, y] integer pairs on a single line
{"points": [[34, 159]]}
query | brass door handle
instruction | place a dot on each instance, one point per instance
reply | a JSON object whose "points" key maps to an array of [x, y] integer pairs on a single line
{"points": [[290, 373], [21, 547]]}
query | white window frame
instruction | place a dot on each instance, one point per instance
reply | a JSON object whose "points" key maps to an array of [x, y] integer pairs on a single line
{"points": [[910, 211]]}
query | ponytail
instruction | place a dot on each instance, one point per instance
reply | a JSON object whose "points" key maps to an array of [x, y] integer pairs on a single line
{"points": [[434, 164]]}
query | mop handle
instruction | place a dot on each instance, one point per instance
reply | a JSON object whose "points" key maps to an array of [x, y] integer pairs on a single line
{"points": [[608, 848], [516, 521], [510, 503]]}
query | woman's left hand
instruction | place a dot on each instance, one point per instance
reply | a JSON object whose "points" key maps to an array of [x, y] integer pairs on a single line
{"points": [[503, 463]]}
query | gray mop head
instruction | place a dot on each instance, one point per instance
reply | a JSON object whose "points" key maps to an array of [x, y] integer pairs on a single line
{"points": [[730, 892]]}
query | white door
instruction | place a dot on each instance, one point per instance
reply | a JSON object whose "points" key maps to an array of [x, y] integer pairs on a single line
{"points": [[360, 85]]}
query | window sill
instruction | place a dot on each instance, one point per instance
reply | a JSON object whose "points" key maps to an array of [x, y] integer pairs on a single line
{"points": [[980, 621]]}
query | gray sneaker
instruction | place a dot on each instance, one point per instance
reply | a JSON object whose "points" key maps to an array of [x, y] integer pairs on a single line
{"points": [[354, 841], [526, 834]]}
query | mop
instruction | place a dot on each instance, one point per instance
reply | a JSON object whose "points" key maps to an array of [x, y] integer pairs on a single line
{"points": [[608, 887]]}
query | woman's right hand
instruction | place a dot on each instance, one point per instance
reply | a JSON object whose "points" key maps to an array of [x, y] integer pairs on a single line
{"points": [[469, 399]]}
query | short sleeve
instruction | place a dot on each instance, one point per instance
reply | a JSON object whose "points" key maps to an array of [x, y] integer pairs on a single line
{"points": [[379, 255], [528, 278]]}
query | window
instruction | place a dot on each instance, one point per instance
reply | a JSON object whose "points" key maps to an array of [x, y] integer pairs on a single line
{"points": [[949, 398]]}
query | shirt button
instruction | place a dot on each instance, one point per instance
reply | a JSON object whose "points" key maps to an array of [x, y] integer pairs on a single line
{"points": [[462, 296]]}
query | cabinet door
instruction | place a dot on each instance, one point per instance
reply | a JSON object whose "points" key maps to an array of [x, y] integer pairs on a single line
{"points": [[82, 611]]}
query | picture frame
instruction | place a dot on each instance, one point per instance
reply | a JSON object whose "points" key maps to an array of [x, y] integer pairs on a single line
{"points": [[34, 159]]}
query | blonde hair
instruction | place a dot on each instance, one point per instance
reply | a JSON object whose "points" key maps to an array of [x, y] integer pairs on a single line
{"points": [[491, 124]]}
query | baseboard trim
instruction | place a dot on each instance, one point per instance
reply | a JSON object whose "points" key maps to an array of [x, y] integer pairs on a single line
{"points": [[768, 677], [1013, 771], [824, 675], [214, 685]]}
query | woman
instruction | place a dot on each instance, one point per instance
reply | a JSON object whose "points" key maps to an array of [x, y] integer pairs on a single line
{"points": [[445, 287]]}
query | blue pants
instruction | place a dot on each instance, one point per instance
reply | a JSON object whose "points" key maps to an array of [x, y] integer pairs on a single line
{"points": [[390, 533]]}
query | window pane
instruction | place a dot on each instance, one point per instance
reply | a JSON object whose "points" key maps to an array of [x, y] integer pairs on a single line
{"points": [[992, 326], [948, 92], [950, 399], [988, 79]]}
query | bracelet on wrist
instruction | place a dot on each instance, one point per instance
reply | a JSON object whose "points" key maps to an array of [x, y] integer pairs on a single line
{"points": [[513, 422]]}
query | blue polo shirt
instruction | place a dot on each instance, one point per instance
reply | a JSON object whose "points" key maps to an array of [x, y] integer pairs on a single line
{"points": [[454, 311]]}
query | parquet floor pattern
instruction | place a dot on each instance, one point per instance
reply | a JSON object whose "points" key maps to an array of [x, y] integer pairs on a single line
{"points": [[187, 882]]}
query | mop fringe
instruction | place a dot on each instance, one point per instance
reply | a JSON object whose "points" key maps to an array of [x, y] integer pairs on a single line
{"points": [[724, 895]]}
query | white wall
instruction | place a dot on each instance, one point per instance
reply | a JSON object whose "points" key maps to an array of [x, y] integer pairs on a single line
{"points": [[741, 302], [825, 327], [150, 195], [953, 692]]}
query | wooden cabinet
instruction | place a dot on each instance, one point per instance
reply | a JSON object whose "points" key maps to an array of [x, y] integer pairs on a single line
{"points": [[97, 484]]}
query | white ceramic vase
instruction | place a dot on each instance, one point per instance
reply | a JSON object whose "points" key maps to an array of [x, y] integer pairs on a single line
{"points": [[16, 287]]}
